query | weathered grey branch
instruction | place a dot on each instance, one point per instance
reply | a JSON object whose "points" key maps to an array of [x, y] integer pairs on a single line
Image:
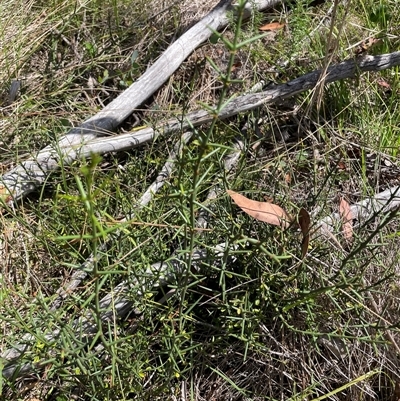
{"points": [[32, 173], [346, 69], [381, 203], [47, 160], [116, 304], [81, 273]]}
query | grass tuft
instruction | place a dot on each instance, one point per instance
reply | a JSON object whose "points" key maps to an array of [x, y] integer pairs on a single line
{"points": [[252, 320]]}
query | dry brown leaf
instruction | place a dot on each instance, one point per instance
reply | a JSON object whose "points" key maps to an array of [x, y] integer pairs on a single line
{"points": [[347, 219], [383, 83], [263, 211], [304, 223], [365, 45], [236, 65], [273, 26]]}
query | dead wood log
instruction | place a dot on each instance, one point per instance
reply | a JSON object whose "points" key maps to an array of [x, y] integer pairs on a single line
{"points": [[32, 173], [116, 304], [120, 301], [381, 203], [346, 69], [83, 270]]}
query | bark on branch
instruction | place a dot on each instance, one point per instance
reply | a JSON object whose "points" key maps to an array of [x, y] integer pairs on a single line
{"points": [[117, 304], [27, 176], [31, 174]]}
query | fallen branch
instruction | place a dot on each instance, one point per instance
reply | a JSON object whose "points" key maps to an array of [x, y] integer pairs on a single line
{"points": [[381, 203], [27, 176], [32, 173], [83, 270], [116, 304], [230, 162]]}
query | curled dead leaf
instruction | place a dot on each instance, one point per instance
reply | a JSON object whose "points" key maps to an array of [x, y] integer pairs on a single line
{"points": [[273, 26], [346, 216], [304, 223], [365, 45], [383, 83], [262, 211]]}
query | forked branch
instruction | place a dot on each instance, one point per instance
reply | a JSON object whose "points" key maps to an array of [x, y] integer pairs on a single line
{"points": [[27, 176]]}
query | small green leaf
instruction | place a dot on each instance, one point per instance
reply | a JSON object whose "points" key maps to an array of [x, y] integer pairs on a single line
{"points": [[134, 56], [214, 38]]}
